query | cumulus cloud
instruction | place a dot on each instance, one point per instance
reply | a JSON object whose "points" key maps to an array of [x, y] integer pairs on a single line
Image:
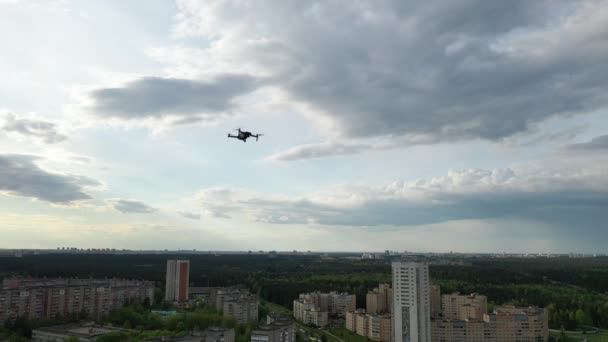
{"points": [[541, 195], [21, 176], [45, 131], [190, 215], [184, 99], [441, 71], [308, 151], [220, 202], [131, 206], [599, 143]]}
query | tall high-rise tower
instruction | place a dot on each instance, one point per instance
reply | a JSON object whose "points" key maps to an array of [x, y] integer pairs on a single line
{"points": [[178, 278], [411, 302]]}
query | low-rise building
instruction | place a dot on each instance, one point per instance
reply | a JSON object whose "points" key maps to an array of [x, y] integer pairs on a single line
{"points": [[211, 334], [277, 329], [84, 332], [217, 334]]}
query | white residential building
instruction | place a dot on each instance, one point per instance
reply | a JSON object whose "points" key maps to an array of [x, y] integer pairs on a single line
{"points": [[411, 302]]}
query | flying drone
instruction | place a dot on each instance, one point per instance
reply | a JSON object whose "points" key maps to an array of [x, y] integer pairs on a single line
{"points": [[244, 135]]}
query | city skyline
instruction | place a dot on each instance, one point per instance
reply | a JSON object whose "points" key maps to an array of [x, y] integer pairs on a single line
{"points": [[470, 127]]}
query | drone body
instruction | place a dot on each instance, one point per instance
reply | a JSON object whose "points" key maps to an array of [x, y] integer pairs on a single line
{"points": [[244, 135]]}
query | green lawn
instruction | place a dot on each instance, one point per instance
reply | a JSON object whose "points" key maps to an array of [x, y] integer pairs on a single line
{"points": [[601, 336], [276, 307]]}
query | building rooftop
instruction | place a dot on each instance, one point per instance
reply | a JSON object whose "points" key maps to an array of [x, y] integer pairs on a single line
{"points": [[79, 330]]}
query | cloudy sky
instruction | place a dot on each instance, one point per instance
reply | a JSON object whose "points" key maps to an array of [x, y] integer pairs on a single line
{"points": [[461, 125]]}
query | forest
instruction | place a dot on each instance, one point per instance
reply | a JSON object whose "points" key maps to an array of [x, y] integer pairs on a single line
{"points": [[575, 290]]}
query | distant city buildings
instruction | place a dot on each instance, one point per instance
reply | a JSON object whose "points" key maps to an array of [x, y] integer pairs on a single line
{"points": [[238, 303], [47, 298], [411, 302], [278, 328], [177, 280]]}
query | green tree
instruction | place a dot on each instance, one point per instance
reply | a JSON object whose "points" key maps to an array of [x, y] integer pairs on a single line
{"points": [[159, 297], [17, 338]]}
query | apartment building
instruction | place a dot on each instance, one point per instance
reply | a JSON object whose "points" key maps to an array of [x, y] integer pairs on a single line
{"points": [[177, 280], [308, 312], [505, 324], [379, 299], [411, 311], [515, 324], [46, 298], [435, 302], [461, 331], [463, 307], [238, 303], [335, 303], [374, 326]]}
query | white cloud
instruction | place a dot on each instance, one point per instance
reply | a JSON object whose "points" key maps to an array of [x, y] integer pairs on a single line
{"points": [[536, 194]]}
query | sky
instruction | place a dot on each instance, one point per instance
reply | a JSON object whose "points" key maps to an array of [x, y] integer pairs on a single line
{"points": [[462, 125]]}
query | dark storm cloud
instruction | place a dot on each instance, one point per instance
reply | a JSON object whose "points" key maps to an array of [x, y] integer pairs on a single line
{"points": [[155, 97], [19, 175], [596, 144], [44, 130], [444, 71], [132, 206]]}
